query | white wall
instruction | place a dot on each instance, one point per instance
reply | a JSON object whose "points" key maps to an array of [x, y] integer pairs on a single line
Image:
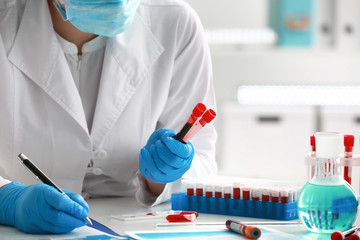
{"points": [[231, 13]]}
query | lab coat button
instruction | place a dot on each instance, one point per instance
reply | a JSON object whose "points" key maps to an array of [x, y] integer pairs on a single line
{"points": [[97, 171], [101, 154]]}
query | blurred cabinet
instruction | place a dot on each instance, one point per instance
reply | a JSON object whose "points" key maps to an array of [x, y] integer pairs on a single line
{"points": [[344, 119], [265, 141]]}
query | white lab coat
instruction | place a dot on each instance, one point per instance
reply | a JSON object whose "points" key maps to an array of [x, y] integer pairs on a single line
{"points": [[153, 75]]}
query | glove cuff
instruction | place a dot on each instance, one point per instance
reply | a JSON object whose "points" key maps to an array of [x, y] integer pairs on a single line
{"points": [[8, 196]]}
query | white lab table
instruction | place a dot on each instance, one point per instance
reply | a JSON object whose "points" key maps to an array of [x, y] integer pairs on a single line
{"points": [[102, 209]]}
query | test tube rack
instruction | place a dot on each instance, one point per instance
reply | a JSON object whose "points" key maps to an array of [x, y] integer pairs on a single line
{"points": [[235, 207], [247, 197]]}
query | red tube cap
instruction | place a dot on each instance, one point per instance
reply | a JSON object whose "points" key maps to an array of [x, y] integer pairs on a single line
{"points": [[348, 140], [209, 115], [199, 109], [312, 142], [354, 237], [337, 236]]}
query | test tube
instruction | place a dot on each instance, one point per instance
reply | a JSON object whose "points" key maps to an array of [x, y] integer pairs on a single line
{"points": [[196, 113], [246, 193], [218, 191], [255, 194], [190, 188], [208, 116], [292, 193], [209, 190], [284, 196], [274, 195], [265, 196], [227, 191], [312, 156], [236, 190], [349, 144], [199, 189]]}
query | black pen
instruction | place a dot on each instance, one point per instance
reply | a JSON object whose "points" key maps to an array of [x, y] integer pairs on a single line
{"points": [[42, 177]]}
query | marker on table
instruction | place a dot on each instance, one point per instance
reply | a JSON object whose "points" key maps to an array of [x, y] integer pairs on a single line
{"points": [[344, 234], [42, 177], [248, 231]]}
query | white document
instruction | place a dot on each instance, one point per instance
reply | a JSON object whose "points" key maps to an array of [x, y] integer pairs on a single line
{"points": [[12, 233]]}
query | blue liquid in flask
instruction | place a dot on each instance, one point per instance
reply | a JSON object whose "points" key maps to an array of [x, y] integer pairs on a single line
{"points": [[327, 208]]}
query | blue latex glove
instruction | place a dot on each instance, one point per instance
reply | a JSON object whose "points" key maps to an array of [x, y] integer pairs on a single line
{"points": [[165, 159], [41, 208]]}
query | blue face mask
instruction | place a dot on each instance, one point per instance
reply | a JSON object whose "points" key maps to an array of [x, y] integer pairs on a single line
{"points": [[101, 17]]}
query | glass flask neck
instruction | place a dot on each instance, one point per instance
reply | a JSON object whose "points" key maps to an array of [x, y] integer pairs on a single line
{"points": [[327, 169]]}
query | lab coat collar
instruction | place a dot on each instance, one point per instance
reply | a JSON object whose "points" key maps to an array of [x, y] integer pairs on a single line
{"points": [[37, 53], [127, 61]]}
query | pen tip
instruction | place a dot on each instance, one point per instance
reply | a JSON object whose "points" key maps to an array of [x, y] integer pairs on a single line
{"points": [[88, 221]]}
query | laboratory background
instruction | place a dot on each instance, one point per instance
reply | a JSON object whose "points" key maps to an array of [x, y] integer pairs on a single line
{"points": [[282, 71]]}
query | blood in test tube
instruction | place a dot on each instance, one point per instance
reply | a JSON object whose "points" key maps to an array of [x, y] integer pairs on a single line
{"points": [[227, 191], [209, 190], [274, 196], [284, 196], [255, 194], [190, 189], [208, 116], [181, 217], [218, 191], [199, 109], [349, 144], [246, 193], [236, 190], [199, 189], [265, 197]]}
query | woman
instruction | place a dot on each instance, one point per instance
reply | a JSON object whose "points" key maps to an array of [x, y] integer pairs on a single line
{"points": [[89, 92]]}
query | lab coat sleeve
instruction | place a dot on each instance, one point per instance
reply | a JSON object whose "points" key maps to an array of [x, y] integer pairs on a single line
{"points": [[3, 182], [191, 83]]}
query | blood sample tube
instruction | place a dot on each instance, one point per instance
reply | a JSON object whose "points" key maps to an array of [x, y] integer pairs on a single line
{"points": [[354, 236], [248, 231], [345, 234], [209, 190], [227, 191], [265, 196], [196, 113], [199, 189], [349, 144], [274, 195], [255, 194], [284, 196], [208, 116], [181, 217], [246, 193], [190, 188], [218, 191], [236, 190], [312, 156]]}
